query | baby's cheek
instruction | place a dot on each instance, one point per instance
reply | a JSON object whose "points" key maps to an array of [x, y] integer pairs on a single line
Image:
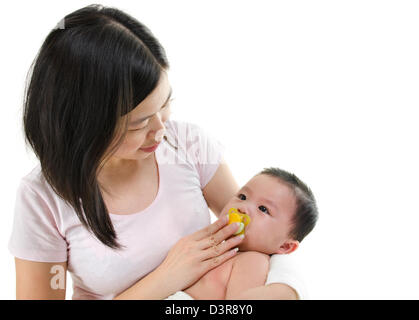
{"points": [[227, 207], [247, 243]]}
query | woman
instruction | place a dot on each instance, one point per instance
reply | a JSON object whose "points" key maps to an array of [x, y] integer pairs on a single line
{"points": [[126, 217]]}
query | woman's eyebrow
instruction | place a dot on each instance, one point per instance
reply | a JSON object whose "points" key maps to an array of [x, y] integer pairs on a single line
{"points": [[138, 121]]}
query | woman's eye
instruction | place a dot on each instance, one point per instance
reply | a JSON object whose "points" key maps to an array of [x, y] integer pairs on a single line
{"points": [[264, 209], [164, 107], [139, 129], [241, 198], [167, 104]]}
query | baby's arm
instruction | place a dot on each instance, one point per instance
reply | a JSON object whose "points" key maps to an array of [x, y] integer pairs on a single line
{"points": [[249, 271], [248, 277]]}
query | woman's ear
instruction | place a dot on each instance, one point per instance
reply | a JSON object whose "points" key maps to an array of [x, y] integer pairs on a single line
{"points": [[288, 247]]}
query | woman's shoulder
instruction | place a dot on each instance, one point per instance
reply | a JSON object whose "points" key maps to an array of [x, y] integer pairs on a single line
{"points": [[36, 182], [193, 137], [186, 136], [34, 178], [179, 129]]}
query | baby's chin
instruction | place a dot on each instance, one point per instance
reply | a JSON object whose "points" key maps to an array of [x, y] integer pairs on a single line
{"points": [[243, 247], [246, 245], [249, 244]]}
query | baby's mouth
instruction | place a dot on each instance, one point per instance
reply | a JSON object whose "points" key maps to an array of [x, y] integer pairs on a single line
{"points": [[236, 216]]}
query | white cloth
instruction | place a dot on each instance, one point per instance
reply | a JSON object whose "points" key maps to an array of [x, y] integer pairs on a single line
{"points": [[282, 269], [180, 295]]}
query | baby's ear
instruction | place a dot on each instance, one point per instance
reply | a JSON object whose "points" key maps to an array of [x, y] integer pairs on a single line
{"points": [[288, 247]]}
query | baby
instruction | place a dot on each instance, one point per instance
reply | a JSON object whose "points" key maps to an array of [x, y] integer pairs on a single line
{"points": [[282, 211]]}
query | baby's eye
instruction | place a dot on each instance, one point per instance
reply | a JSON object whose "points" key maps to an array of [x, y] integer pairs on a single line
{"points": [[264, 209], [241, 198]]}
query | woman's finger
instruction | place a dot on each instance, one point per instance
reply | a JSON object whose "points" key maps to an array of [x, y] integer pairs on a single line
{"points": [[222, 247], [219, 236], [219, 259], [211, 229]]}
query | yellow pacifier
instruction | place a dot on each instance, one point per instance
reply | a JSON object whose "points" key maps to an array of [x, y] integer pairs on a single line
{"points": [[235, 216]]}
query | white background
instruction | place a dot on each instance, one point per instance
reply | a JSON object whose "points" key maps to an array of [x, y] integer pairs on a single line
{"points": [[325, 89]]}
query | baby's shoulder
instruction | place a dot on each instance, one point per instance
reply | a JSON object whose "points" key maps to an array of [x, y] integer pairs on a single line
{"points": [[255, 259], [253, 255]]}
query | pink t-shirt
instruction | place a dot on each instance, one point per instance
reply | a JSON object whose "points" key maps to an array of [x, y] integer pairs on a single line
{"points": [[47, 229]]}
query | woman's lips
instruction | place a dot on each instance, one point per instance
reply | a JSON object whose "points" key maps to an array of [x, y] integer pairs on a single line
{"points": [[150, 149]]}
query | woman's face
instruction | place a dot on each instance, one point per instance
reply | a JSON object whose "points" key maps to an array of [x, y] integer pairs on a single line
{"points": [[146, 124]]}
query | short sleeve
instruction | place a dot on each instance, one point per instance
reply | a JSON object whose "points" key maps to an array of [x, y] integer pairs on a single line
{"points": [[35, 235], [205, 151], [284, 269]]}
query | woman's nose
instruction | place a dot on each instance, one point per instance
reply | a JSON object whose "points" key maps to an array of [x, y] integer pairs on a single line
{"points": [[159, 135], [158, 128]]}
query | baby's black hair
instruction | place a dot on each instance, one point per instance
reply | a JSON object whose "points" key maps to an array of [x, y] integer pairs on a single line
{"points": [[306, 213]]}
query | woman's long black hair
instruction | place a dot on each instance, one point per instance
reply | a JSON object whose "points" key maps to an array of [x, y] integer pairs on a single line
{"points": [[98, 66]]}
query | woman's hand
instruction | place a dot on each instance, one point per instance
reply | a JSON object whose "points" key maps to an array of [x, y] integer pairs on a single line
{"points": [[188, 260], [196, 254]]}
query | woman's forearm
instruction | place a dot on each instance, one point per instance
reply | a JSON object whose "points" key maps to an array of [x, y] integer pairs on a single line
{"points": [[151, 287]]}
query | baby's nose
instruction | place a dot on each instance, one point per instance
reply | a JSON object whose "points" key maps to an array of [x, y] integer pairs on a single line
{"points": [[241, 210], [245, 210]]}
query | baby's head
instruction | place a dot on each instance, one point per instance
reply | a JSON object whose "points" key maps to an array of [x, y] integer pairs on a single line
{"points": [[282, 210]]}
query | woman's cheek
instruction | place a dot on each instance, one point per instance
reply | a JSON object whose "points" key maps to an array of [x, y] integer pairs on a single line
{"points": [[139, 140], [133, 140]]}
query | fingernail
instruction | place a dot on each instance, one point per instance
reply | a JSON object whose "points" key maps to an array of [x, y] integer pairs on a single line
{"points": [[240, 227]]}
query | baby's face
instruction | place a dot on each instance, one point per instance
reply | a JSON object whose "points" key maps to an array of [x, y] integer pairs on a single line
{"points": [[271, 206]]}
